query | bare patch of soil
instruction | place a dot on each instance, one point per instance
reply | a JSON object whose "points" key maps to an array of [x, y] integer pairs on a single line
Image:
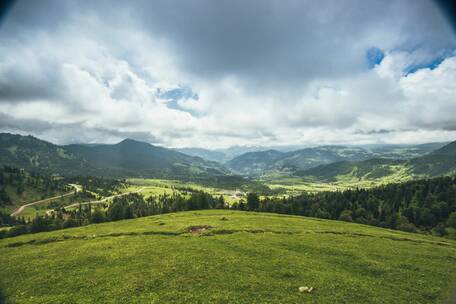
{"points": [[198, 229]]}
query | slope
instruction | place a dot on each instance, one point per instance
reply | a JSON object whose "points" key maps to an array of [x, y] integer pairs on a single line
{"points": [[254, 163], [128, 158], [134, 158], [34, 154], [437, 163], [227, 257], [259, 163]]}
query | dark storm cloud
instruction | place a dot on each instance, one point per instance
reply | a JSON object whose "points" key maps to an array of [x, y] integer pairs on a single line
{"points": [[290, 41], [80, 132], [8, 122], [91, 69], [261, 41]]}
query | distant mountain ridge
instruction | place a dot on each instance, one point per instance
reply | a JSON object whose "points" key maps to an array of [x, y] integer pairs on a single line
{"points": [[127, 158], [436, 163], [212, 155], [259, 163]]}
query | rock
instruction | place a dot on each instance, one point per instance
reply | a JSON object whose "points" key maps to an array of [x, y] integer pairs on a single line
{"points": [[305, 289]]}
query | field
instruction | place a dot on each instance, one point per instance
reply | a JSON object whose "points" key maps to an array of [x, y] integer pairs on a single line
{"points": [[227, 257], [154, 187], [291, 185]]}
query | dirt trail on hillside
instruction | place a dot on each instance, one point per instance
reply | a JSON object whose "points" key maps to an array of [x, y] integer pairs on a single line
{"points": [[104, 199], [22, 208]]}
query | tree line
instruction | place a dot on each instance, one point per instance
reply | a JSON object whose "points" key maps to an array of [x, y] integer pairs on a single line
{"points": [[427, 205], [14, 182], [417, 206], [132, 205]]}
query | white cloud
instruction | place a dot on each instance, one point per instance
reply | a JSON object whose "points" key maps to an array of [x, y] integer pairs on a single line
{"points": [[90, 81]]}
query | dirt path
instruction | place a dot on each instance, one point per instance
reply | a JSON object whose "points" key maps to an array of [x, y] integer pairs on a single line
{"points": [[104, 199], [22, 208]]}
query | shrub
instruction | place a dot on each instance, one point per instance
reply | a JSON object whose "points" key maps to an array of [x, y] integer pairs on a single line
{"points": [[346, 216]]}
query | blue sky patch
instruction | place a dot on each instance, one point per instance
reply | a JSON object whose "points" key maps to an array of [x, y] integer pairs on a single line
{"points": [[432, 63], [177, 94], [174, 95], [374, 56]]}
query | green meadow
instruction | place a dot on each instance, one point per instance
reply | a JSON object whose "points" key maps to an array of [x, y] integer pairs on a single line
{"points": [[155, 187], [222, 256]]}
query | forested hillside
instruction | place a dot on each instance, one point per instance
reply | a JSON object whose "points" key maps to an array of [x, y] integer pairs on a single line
{"points": [[439, 162], [17, 186], [426, 205], [125, 159], [259, 163]]}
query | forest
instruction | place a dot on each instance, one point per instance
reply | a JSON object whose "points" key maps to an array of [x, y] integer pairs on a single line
{"points": [[427, 205]]}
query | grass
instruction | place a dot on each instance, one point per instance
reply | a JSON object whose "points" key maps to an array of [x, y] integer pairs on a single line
{"points": [[292, 185], [155, 187], [239, 257]]}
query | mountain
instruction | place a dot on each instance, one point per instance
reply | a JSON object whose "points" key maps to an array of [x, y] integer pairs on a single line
{"points": [[348, 171], [212, 155], [259, 163], [135, 158], [34, 154], [254, 163], [439, 162], [128, 158], [403, 151]]}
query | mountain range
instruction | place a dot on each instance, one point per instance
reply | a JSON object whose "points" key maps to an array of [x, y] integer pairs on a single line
{"points": [[131, 158], [436, 163], [261, 162]]}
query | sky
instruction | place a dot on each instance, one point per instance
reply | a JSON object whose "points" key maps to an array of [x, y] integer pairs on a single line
{"points": [[215, 74]]}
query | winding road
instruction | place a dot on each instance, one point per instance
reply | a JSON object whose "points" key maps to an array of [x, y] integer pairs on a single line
{"points": [[104, 199], [77, 188], [22, 208]]}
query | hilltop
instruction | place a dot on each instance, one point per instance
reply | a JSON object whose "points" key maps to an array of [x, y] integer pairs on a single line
{"points": [[227, 257]]}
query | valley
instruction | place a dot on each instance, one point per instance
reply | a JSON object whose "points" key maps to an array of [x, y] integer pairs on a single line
{"points": [[130, 202], [227, 152]]}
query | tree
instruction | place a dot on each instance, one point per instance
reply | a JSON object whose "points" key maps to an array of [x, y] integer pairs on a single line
{"points": [[115, 211], [452, 220], [98, 216], [253, 202], [346, 216]]}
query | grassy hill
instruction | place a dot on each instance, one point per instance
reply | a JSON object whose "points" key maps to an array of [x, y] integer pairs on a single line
{"points": [[227, 257]]}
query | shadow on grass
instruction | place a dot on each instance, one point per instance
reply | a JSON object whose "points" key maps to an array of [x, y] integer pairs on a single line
{"points": [[2, 296]]}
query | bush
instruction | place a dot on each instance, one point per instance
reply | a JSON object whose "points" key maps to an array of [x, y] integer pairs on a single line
{"points": [[346, 216], [407, 227], [452, 220], [17, 230], [439, 230]]}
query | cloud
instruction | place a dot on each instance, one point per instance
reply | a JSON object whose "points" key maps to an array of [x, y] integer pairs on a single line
{"points": [[200, 73]]}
